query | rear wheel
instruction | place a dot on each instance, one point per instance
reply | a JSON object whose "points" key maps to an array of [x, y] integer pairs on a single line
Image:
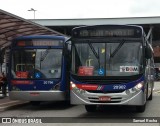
{"points": [[90, 108]]}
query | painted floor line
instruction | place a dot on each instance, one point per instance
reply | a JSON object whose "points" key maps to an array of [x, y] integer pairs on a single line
{"points": [[8, 102], [157, 92]]}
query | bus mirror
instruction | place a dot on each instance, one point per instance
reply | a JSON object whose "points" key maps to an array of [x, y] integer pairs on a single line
{"points": [[67, 46], [148, 53]]}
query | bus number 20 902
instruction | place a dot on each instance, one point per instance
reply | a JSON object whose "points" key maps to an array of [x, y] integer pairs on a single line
{"points": [[119, 87]]}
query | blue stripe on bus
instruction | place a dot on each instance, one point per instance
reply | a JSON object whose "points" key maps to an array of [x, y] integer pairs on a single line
{"points": [[112, 87]]}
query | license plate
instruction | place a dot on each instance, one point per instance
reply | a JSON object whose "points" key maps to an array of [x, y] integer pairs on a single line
{"points": [[104, 98]]}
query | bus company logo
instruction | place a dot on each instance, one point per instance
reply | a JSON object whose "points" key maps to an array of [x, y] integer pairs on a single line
{"points": [[21, 120], [128, 68], [6, 120]]}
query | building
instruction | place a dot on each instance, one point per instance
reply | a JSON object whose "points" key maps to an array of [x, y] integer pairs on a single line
{"points": [[151, 26]]}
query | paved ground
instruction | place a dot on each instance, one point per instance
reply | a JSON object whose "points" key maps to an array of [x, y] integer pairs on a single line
{"points": [[6, 103], [157, 87]]}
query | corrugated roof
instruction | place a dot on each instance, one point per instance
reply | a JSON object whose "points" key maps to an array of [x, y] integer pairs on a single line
{"points": [[12, 26]]}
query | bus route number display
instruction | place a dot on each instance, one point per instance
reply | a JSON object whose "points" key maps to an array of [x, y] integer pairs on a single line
{"points": [[124, 32], [118, 32], [40, 42]]}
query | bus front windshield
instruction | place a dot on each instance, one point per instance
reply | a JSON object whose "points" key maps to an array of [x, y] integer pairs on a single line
{"points": [[37, 63], [120, 58]]}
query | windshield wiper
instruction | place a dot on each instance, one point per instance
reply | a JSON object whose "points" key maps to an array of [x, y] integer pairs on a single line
{"points": [[93, 50], [116, 50], [95, 53]]}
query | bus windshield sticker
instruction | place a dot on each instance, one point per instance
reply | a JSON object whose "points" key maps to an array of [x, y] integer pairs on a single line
{"points": [[37, 75], [101, 71], [103, 50], [85, 71], [128, 68]]}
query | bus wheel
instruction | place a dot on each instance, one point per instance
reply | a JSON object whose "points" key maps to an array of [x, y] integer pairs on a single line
{"points": [[35, 103], [150, 97], [141, 108], [90, 108]]}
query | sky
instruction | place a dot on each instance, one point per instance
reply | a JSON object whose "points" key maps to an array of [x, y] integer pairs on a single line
{"points": [[75, 9]]}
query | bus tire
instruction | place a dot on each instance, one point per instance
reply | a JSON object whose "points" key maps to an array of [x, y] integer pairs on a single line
{"points": [[141, 108], [90, 108], [35, 103], [151, 96]]}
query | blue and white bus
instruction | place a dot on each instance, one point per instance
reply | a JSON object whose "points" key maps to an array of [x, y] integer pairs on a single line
{"points": [[38, 69], [111, 65]]}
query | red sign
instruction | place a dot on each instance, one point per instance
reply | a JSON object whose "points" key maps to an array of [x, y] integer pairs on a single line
{"points": [[16, 82], [21, 74], [87, 86], [21, 43], [85, 71]]}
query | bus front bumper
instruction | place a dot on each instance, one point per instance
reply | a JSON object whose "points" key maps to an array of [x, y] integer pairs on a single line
{"points": [[87, 98], [38, 95]]}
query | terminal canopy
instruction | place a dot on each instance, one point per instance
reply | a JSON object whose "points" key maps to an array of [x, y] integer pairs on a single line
{"points": [[12, 26]]}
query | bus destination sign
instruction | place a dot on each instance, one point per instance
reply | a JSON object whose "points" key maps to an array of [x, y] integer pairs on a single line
{"points": [[39, 42], [123, 32]]}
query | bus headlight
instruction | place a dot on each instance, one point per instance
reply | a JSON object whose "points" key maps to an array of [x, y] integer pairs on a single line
{"points": [[138, 87], [75, 88], [73, 85]]}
